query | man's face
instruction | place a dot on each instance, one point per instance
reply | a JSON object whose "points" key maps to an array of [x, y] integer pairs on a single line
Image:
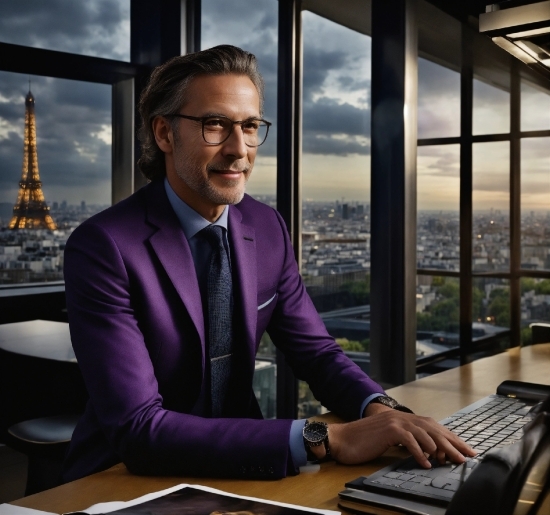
{"points": [[207, 177]]}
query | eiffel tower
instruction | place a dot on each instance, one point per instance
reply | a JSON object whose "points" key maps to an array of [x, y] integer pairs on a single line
{"points": [[30, 210]]}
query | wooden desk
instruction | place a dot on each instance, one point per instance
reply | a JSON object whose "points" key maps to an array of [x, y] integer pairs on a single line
{"points": [[437, 396]]}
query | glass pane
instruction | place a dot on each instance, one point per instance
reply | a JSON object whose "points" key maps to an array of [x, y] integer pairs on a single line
{"points": [[96, 27], [535, 305], [438, 202], [491, 206], [73, 162], [535, 107], [438, 101], [491, 109], [437, 317], [490, 307], [535, 203], [254, 29], [336, 185]]}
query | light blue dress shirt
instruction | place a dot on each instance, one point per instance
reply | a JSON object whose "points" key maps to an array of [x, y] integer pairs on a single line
{"points": [[192, 223]]}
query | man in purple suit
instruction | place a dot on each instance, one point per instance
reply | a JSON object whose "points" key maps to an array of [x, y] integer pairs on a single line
{"points": [[138, 285]]}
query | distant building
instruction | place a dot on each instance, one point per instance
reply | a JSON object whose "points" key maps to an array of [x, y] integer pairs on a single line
{"points": [[345, 212]]}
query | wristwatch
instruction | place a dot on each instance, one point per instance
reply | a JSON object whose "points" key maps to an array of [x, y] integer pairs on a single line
{"points": [[315, 434], [390, 402]]}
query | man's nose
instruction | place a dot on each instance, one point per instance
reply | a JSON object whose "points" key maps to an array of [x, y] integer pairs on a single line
{"points": [[235, 145]]}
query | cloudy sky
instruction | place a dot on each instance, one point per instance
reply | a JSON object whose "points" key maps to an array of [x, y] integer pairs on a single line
{"points": [[74, 118]]}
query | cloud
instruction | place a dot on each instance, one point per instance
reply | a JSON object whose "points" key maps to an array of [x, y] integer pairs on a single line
{"points": [[438, 101], [439, 161], [99, 27]]}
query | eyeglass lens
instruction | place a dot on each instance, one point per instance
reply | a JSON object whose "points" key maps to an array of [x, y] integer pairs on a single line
{"points": [[217, 130]]}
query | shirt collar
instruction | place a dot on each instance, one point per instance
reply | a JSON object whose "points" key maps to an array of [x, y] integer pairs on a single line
{"points": [[191, 222]]}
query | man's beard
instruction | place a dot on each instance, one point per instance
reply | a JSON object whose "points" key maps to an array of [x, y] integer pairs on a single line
{"points": [[192, 175]]}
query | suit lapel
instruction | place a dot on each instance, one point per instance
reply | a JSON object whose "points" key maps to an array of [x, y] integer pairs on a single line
{"points": [[172, 249], [243, 259]]}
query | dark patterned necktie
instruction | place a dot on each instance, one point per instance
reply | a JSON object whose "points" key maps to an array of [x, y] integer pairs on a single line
{"points": [[219, 289]]}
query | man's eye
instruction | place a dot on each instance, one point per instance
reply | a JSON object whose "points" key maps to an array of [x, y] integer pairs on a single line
{"points": [[215, 123], [251, 126]]}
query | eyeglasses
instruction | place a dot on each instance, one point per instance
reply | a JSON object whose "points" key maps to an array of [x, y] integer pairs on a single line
{"points": [[217, 129]]}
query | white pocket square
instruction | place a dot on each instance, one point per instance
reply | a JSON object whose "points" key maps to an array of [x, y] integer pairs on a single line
{"points": [[266, 303]]}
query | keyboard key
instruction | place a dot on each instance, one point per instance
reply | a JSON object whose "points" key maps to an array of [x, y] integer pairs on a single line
{"points": [[417, 479], [408, 485], [433, 491], [406, 477], [393, 475], [446, 483], [387, 481]]}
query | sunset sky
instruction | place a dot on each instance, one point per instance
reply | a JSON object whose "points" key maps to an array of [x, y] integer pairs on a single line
{"points": [[74, 118]]}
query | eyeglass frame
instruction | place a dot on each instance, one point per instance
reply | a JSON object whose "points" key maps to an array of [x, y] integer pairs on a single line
{"points": [[202, 119]]}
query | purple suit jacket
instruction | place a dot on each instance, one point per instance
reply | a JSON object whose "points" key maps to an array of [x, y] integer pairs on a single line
{"points": [[137, 328]]}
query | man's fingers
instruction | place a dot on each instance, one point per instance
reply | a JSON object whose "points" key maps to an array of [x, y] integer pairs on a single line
{"points": [[449, 445], [437, 441], [459, 444], [412, 444]]}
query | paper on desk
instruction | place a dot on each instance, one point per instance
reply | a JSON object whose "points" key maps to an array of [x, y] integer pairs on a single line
{"points": [[10, 509], [107, 507]]}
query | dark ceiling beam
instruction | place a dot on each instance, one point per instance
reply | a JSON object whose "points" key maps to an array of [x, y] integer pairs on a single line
{"points": [[462, 9]]}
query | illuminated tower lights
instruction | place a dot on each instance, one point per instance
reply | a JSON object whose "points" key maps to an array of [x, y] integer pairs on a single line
{"points": [[30, 210]]}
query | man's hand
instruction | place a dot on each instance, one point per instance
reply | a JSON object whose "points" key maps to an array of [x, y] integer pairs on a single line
{"points": [[366, 439]]}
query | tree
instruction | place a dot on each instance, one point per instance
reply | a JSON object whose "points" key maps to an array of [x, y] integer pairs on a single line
{"points": [[350, 345], [499, 306]]}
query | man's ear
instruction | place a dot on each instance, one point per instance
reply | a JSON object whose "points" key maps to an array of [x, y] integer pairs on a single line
{"points": [[163, 134]]}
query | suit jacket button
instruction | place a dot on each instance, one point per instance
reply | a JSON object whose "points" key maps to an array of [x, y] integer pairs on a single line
{"points": [[243, 469], [270, 470]]}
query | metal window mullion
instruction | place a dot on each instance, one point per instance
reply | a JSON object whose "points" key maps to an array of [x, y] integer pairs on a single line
{"points": [[288, 160], [122, 152], [393, 191], [192, 10], [515, 204], [466, 186]]}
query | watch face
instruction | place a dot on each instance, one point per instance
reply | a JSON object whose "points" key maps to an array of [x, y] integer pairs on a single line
{"points": [[387, 401], [315, 432]]}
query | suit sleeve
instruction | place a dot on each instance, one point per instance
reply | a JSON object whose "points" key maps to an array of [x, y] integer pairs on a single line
{"points": [[297, 329], [124, 395]]}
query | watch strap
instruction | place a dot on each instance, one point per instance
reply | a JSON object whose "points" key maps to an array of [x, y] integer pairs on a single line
{"points": [[390, 402]]}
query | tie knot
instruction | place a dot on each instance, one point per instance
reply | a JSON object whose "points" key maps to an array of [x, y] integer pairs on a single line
{"points": [[214, 234]]}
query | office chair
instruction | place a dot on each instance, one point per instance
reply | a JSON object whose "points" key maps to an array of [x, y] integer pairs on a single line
{"points": [[44, 441], [540, 333]]}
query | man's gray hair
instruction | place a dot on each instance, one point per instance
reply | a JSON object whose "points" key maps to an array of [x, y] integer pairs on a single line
{"points": [[166, 92]]}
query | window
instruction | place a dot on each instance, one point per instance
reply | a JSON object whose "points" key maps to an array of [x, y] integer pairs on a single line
{"points": [[73, 144], [491, 206], [438, 101], [438, 207], [336, 186], [491, 109], [98, 28], [535, 203], [535, 107]]}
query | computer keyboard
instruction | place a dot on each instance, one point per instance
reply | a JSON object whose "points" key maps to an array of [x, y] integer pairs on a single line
{"points": [[493, 422], [497, 423]]}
